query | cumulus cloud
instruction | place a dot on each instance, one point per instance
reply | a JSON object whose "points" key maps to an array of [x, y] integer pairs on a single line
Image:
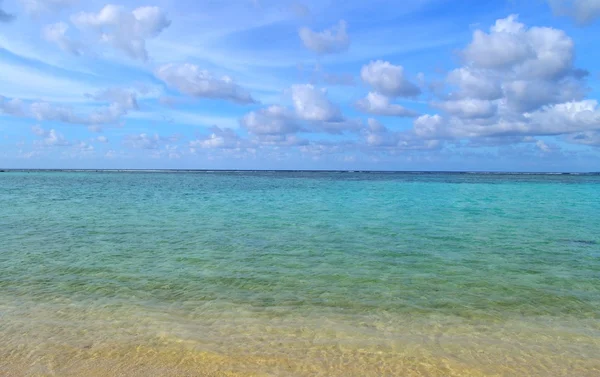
{"points": [[378, 104], [220, 138], [102, 139], [510, 47], [545, 147], [193, 81], [57, 33], [582, 11], [273, 120], [49, 138], [565, 118], [430, 126], [517, 81], [4, 16], [558, 119], [388, 79], [281, 141], [82, 146], [124, 30], [474, 83], [148, 141], [45, 111], [503, 47], [522, 68], [529, 95], [312, 104], [379, 136], [312, 112], [321, 148], [330, 41], [37, 7], [104, 115], [469, 108]]}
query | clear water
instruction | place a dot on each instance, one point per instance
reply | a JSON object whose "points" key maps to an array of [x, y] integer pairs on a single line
{"points": [[299, 274]]}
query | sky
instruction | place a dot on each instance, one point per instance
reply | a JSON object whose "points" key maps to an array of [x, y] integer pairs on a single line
{"points": [[501, 85]]}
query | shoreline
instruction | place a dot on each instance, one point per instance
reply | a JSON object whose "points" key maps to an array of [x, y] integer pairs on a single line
{"points": [[176, 346]]}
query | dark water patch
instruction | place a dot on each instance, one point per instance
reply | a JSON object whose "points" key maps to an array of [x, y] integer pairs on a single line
{"points": [[579, 242]]}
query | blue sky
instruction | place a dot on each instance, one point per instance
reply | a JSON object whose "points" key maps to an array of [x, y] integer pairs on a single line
{"points": [[265, 84]]}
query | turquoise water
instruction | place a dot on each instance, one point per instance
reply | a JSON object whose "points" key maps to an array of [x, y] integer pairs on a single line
{"points": [[292, 273]]}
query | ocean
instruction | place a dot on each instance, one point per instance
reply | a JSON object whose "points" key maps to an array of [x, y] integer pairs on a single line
{"points": [[139, 273]]}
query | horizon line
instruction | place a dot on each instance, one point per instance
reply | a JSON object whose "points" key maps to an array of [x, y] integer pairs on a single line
{"points": [[4, 170]]}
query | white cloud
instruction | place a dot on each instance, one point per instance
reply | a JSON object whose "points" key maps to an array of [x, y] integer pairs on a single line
{"points": [[124, 30], [474, 83], [379, 136], [147, 141], [312, 112], [528, 95], [125, 99], [220, 138], [502, 47], [37, 7], [281, 140], [388, 79], [193, 118], [525, 85], [312, 104], [378, 104], [538, 52], [518, 81], [338, 127], [334, 40], [82, 146], [55, 139], [469, 108], [50, 138], [44, 111], [569, 117], [193, 81], [120, 102], [430, 126], [583, 11], [56, 33], [273, 120], [542, 146], [560, 119]]}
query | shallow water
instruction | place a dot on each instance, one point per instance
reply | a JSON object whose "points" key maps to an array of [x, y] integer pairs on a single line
{"points": [[299, 274]]}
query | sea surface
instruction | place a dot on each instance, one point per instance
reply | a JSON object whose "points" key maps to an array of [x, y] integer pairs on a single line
{"points": [[299, 274]]}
